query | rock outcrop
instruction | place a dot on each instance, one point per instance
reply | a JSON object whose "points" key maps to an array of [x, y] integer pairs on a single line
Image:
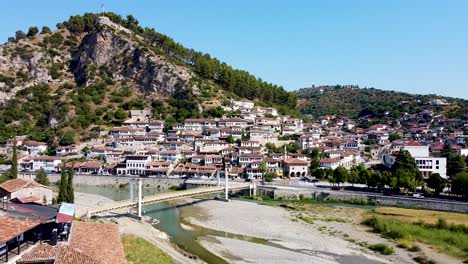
{"points": [[108, 53], [122, 59]]}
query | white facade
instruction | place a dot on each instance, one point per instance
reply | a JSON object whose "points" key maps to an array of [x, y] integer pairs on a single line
{"points": [[417, 151]]}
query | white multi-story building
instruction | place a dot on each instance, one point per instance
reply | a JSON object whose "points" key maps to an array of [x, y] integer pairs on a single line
{"points": [[232, 122], [426, 165], [136, 164], [35, 163]]}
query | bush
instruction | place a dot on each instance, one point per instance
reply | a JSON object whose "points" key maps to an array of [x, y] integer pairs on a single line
{"points": [[414, 248], [404, 244], [45, 30], [382, 249], [424, 260]]}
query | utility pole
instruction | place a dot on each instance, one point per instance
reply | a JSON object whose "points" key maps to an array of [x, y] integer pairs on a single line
{"points": [[139, 197], [131, 194], [226, 190]]}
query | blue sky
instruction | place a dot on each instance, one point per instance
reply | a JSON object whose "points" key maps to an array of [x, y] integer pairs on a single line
{"points": [[412, 46]]}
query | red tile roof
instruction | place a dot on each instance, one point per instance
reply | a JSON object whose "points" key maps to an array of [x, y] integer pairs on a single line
{"points": [[11, 228], [296, 162], [60, 254], [16, 184], [99, 241]]}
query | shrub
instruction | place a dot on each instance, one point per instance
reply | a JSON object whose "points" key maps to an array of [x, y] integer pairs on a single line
{"points": [[424, 260], [404, 244], [382, 249], [414, 248]]}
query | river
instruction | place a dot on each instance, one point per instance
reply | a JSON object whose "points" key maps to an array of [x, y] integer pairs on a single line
{"points": [[169, 216]]}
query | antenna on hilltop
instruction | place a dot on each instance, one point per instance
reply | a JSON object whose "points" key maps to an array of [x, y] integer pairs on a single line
{"points": [[102, 9]]}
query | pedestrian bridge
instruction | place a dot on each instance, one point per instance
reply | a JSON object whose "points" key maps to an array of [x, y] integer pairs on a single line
{"points": [[168, 196]]}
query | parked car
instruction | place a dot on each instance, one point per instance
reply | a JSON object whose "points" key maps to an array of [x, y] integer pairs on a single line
{"points": [[337, 188], [418, 195]]}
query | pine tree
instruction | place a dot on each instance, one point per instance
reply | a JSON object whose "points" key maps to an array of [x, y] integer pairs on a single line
{"points": [[14, 163], [62, 195], [70, 190], [42, 178]]}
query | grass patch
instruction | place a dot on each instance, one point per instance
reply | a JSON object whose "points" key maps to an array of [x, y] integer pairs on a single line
{"points": [[417, 215], [382, 249], [176, 188], [139, 251], [306, 219], [454, 243]]}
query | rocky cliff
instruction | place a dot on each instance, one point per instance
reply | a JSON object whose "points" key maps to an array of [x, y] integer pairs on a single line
{"points": [[123, 59], [103, 54]]}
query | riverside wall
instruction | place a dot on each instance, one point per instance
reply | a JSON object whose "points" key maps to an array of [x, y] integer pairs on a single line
{"points": [[107, 180], [430, 204]]}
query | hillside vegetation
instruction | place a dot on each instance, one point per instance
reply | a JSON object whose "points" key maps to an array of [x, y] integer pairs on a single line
{"points": [[354, 102], [87, 74]]}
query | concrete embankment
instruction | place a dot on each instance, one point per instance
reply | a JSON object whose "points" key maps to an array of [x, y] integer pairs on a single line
{"points": [[106, 180], [430, 204]]}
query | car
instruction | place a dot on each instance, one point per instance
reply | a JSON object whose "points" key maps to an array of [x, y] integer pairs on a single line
{"points": [[418, 195], [336, 188]]}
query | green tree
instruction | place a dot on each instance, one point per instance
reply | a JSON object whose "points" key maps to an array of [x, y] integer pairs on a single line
{"points": [[319, 174], [406, 171], [231, 140], [314, 164], [393, 137], [19, 34], [455, 164], [70, 190], [340, 175], [63, 186], [269, 176], [460, 184], [390, 179], [41, 177], [375, 179], [45, 30], [315, 153], [405, 179], [364, 174], [68, 138], [120, 114], [14, 162], [436, 182], [32, 31], [353, 175], [262, 167]]}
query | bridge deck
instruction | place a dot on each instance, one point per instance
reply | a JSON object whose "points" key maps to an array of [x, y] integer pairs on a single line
{"points": [[161, 197]]}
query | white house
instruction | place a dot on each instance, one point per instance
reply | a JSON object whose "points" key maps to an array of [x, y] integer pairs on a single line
{"points": [[34, 147], [136, 164]]}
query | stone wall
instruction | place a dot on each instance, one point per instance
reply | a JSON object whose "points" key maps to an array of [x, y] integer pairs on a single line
{"points": [[430, 204], [101, 180]]}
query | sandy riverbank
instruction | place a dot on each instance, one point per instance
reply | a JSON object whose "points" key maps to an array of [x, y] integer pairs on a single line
{"points": [[293, 241]]}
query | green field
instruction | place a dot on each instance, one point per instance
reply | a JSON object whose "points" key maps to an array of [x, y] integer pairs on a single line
{"points": [[139, 251]]}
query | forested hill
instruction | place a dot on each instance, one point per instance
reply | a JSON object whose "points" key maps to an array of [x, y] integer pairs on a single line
{"points": [[353, 102], [91, 70]]}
